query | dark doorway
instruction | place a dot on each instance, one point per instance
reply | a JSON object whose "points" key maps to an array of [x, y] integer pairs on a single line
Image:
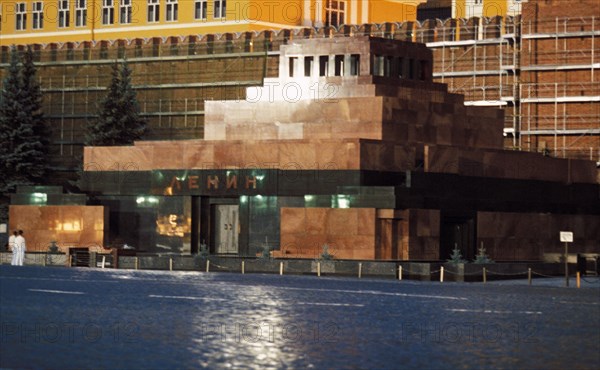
{"points": [[458, 229]]}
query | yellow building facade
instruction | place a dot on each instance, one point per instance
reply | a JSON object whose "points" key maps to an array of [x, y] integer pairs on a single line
{"points": [[485, 8], [444, 9], [46, 21]]}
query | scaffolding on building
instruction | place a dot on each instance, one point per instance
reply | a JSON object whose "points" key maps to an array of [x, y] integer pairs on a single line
{"points": [[480, 58], [570, 47], [491, 68], [483, 68], [172, 83]]}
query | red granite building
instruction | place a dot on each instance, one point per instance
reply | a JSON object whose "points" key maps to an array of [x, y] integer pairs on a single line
{"points": [[353, 146]]}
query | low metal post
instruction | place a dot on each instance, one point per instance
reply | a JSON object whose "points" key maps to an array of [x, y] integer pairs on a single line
{"points": [[484, 276], [400, 272], [280, 268], [442, 274], [103, 261], [207, 265], [137, 262], [578, 279], [170, 263], [243, 267], [318, 268], [359, 270], [529, 275], [567, 264]]}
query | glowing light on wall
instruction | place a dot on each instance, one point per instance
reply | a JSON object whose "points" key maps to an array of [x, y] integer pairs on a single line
{"points": [[39, 198], [71, 225], [146, 200], [343, 201]]}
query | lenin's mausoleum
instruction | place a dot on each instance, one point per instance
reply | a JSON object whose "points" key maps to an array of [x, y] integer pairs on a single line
{"points": [[353, 146]]}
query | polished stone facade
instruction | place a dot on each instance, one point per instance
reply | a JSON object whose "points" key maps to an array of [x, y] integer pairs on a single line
{"points": [[68, 226], [355, 147]]}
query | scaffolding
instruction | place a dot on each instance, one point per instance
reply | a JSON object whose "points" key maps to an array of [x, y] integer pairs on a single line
{"points": [[172, 83], [493, 62], [483, 67], [560, 96], [541, 72]]}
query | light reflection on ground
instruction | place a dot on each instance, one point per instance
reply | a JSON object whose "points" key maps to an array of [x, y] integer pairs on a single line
{"points": [[83, 318]]}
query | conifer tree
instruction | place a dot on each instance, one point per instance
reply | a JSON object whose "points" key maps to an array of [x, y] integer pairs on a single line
{"points": [[10, 112], [34, 95], [23, 137], [482, 256], [31, 137], [456, 257], [118, 121]]}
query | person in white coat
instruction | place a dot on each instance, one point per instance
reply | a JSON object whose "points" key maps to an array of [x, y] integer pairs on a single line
{"points": [[13, 248], [21, 248]]}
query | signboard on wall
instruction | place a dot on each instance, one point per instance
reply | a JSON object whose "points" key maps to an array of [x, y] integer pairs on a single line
{"points": [[566, 237]]}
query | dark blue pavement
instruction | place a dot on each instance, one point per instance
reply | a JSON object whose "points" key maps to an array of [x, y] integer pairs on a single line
{"points": [[83, 318]]}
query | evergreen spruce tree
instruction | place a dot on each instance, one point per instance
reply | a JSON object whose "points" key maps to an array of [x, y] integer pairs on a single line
{"points": [[10, 113], [31, 137], [482, 256], [134, 126], [34, 94], [23, 148], [456, 257], [118, 121]]}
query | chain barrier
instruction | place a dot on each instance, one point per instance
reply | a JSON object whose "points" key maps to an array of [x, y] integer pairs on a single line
{"points": [[540, 274], [507, 273], [597, 278], [221, 267], [291, 269], [47, 260], [476, 273]]}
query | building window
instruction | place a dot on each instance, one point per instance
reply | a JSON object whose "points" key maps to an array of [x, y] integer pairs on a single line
{"points": [[220, 9], [38, 15], [80, 13], [335, 12], [400, 67], [323, 65], [378, 65], [308, 66], [292, 65], [108, 12], [354, 65], [125, 11], [478, 2], [172, 10], [339, 65], [153, 10], [200, 9], [63, 13], [21, 16]]}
